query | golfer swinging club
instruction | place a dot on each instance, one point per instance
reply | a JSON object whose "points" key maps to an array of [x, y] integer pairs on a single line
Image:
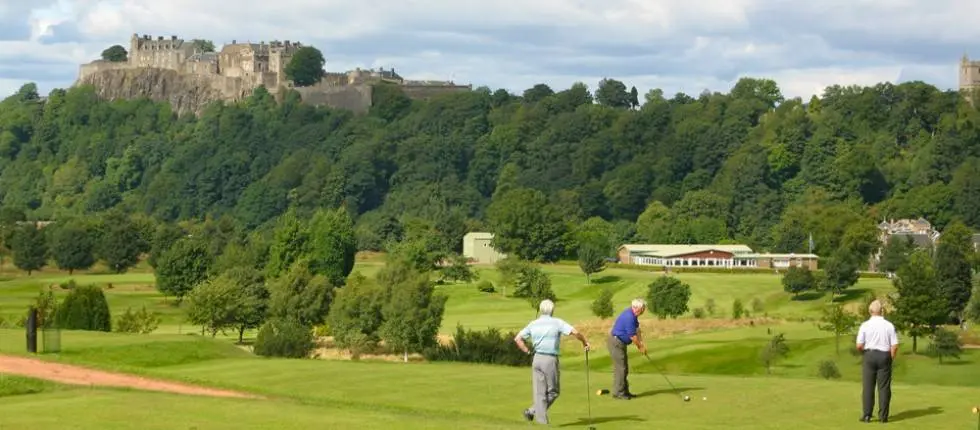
{"points": [[545, 333], [625, 330], [877, 339]]}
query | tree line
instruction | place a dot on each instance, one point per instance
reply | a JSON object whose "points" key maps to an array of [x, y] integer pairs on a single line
{"points": [[747, 166]]}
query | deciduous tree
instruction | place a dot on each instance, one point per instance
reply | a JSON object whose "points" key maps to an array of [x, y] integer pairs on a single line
{"points": [[668, 297]]}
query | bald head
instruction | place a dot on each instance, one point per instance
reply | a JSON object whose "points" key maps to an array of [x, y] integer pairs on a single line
{"points": [[875, 308]]}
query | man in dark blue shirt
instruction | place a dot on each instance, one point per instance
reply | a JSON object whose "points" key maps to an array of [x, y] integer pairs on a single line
{"points": [[625, 330]]}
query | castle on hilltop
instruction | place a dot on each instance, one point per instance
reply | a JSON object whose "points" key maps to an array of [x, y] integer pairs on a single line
{"points": [[238, 68], [969, 74]]}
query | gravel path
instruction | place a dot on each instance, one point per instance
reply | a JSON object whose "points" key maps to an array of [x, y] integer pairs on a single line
{"points": [[77, 375]]}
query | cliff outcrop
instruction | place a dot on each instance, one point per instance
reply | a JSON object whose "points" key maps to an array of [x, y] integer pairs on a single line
{"points": [[185, 93]]}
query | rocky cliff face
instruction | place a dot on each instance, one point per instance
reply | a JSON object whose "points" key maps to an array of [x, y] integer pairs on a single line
{"points": [[186, 93]]}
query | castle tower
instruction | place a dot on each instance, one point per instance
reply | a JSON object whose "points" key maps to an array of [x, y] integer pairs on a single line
{"points": [[969, 73], [134, 45]]}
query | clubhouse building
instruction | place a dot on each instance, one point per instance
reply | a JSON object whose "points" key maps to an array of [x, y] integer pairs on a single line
{"points": [[720, 256]]}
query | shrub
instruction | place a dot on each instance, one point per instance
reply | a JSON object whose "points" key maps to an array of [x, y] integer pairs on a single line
{"points": [[757, 306], [284, 338], [322, 330], [70, 285], [141, 322], [945, 343], [709, 305], [737, 309], [489, 346], [602, 307], [485, 286], [85, 308], [698, 313], [828, 370]]}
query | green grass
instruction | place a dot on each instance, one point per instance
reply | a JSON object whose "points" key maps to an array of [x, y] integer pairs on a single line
{"points": [[442, 395], [721, 364]]}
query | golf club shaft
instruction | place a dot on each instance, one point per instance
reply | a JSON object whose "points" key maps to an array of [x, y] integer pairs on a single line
{"points": [[588, 386], [660, 371]]}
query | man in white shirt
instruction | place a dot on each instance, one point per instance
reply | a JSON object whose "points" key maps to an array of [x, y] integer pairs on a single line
{"points": [[879, 342]]}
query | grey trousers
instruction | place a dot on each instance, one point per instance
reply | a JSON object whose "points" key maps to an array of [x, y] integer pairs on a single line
{"points": [[544, 380], [876, 370], [621, 370]]}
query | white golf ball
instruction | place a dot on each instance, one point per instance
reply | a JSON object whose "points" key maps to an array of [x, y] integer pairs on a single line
{"points": [[704, 398]]}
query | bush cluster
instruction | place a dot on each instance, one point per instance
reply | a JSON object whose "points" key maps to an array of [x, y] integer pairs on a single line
{"points": [[487, 346], [85, 308], [287, 338]]}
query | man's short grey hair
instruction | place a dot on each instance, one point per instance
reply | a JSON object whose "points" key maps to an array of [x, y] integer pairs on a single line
{"points": [[547, 307], [875, 307], [639, 304]]}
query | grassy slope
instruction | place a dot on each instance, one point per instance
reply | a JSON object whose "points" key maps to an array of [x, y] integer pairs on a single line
{"points": [[721, 364]]}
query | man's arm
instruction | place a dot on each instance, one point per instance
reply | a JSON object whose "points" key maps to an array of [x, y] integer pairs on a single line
{"points": [[568, 330], [520, 344], [860, 338], [893, 339], [581, 338], [638, 341], [519, 340]]}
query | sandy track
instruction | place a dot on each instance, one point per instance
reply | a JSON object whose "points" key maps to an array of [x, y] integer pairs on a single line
{"points": [[76, 375]]}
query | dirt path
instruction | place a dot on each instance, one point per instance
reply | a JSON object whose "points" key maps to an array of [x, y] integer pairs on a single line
{"points": [[76, 375]]}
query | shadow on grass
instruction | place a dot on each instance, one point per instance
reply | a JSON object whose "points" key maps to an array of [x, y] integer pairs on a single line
{"points": [[955, 363], [850, 294], [608, 279], [601, 420], [668, 391], [915, 413], [808, 296]]}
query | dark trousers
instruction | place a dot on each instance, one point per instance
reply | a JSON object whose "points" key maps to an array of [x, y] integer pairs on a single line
{"points": [[877, 370], [617, 352]]}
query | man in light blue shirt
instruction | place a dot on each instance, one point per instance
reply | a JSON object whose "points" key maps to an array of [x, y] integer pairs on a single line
{"points": [[545, 333]]}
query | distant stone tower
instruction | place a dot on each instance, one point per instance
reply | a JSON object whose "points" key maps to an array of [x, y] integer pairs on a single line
{"points": [[969, 74]]}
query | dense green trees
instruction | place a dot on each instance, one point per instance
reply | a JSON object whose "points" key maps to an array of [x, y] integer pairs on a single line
{"points": [[747, 166]]}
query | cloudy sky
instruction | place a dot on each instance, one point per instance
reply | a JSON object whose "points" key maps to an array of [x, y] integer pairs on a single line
{"points": [[676, 45]]}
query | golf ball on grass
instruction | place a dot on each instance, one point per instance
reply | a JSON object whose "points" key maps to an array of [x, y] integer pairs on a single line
{"points": [[687, 398], [704, 398]]}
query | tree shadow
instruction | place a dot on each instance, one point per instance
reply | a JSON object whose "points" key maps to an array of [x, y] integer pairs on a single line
{"points": [[915, 413], [601, 420], [850, 294], [955, 363], [608, 279], [808, 296], [677, 390]]}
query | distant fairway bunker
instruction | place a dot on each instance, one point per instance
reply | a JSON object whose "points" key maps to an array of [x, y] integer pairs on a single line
{"points": [[77, 375]]}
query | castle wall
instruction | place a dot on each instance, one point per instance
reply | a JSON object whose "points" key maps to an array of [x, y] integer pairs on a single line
{"points": [[86, 70], [201, 67], [425, 92], [356, 98]]}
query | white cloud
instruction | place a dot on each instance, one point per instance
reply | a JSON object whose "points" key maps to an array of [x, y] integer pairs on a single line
{"points": [[676, 45]]}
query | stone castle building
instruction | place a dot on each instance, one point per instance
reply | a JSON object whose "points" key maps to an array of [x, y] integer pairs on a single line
{"points": [[233, 71], [969, 74]]}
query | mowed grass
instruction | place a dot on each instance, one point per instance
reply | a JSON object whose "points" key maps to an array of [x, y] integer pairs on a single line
{"points": [[340, 394], [714, 358], [474, 309]]}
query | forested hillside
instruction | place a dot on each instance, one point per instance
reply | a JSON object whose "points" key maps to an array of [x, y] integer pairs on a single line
{"points": [[746, 166]]}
